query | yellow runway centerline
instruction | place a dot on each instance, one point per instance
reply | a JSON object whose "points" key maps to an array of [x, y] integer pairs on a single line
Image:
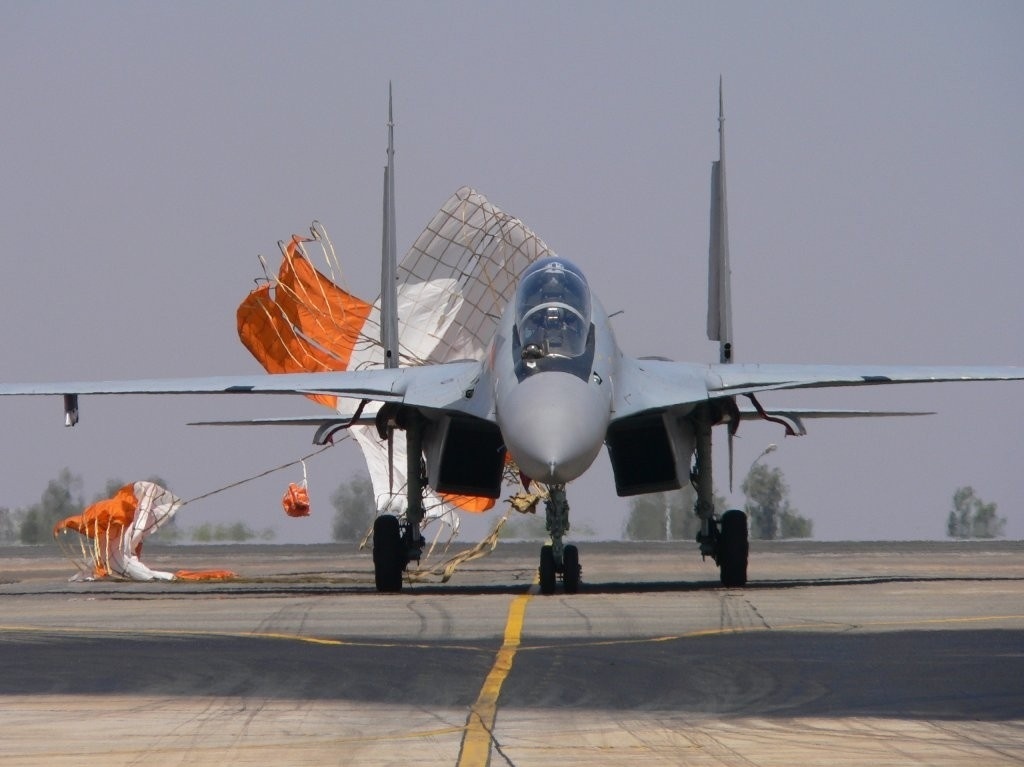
{"points": [[477, 738]]}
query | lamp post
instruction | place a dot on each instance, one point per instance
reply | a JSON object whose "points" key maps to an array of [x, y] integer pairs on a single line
{"points": [[770, 449]]}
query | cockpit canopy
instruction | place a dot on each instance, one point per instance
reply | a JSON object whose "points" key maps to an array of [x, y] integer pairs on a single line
{"points": [[553, 310]]}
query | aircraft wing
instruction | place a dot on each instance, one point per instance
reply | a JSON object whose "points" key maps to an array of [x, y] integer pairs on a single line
{"points": [[650, 385], [753, 378], [440, 387]]}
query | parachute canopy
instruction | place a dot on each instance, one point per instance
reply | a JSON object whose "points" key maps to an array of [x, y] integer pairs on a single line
{"points": [[110, 534], [453, 286]]}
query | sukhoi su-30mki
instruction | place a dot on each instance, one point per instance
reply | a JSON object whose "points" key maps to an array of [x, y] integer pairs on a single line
{"points": [[549, 390]]}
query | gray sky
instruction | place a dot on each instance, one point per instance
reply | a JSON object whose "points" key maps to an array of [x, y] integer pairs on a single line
{"points": [[150, 151]]}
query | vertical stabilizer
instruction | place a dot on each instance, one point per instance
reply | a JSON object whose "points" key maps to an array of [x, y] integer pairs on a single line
{"points": [[389, 258], [719, 292]]}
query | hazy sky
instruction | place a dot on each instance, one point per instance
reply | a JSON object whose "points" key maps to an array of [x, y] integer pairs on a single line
{"points": [[150, 151]]}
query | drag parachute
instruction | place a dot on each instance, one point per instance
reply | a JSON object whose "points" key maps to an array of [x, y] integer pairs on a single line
{"points": [[453, 285], [110, 534]]}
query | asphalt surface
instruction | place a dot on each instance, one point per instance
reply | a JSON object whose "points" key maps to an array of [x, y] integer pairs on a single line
{"points": [[859, 654]]}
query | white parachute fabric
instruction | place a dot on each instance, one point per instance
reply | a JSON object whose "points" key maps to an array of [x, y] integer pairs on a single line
{"points": [[157, 507]]}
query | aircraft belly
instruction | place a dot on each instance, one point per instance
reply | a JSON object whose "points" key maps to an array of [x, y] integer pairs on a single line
{"points": [[554, 425]]}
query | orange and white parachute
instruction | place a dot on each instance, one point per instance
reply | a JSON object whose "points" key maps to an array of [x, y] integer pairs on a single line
{"points": [[453, 285], [111, 533]]}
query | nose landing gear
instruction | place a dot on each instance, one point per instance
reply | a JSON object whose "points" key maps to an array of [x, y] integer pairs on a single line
{"points": [[558, 558]]}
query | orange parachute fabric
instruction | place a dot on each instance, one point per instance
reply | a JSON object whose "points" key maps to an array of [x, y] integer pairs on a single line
{"points": [[319, 309], [104, 522], [270, 338], [474, 503], [296, 500], [204, 575], [309, 325]]}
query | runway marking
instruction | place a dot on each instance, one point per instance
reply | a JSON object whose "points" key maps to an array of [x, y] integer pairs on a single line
{"points": [[478, 736], [101, 631], [306, 743], [513, 622], [697, 633]]}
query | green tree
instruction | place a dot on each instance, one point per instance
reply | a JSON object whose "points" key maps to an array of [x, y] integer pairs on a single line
{"points": [[794, 525], [768, 509], [525, 527], [354, 509], [665, 516], [62, 498], [973, 518], [8, 526], [533, 527], [237, 532]]}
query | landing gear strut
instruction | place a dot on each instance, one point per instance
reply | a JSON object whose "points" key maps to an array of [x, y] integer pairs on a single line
{"points": [[557, 558], [723, 539], [397, 543]]}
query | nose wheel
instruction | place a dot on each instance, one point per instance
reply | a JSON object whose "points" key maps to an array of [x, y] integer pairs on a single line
{"points": [[550, 569]]}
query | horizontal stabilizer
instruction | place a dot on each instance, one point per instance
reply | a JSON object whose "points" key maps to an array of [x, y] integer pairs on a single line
{"points": [[793, 417], [313, 420]]}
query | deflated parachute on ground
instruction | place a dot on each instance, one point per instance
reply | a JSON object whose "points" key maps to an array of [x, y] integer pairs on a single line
{"points": [[453, 285], [111, 533]]}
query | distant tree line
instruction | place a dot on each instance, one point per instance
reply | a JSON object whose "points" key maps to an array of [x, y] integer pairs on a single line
{"points": [[63, 498], [667, 516], [973, 518], [653, 517], [670, 516]]}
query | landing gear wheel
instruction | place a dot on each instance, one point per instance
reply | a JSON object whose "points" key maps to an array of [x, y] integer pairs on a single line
{"points": [[388, 559], [571, 569], [733, 548], [547, 570]]}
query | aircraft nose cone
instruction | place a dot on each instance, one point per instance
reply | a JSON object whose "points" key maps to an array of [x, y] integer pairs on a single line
{"points": [[554, 425]]}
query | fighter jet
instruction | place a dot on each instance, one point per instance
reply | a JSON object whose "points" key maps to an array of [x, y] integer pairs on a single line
{"points": [[551, 391]]}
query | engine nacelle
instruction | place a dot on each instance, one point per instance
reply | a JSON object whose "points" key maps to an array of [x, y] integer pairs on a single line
{"points": [[464, 455], [650, 453]]}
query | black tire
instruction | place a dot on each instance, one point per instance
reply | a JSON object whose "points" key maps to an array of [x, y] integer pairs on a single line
{"points": [[547, 570], [733, 549], [571, 569], [388, 562]]}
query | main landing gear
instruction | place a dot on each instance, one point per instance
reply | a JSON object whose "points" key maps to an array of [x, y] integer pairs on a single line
{"points": [[723, 539], [397, 543], [733, 548], [394, 547], [557, 558]]}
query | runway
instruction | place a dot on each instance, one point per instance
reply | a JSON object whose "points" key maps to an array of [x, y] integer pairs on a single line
{"points": [[853, 654]]}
